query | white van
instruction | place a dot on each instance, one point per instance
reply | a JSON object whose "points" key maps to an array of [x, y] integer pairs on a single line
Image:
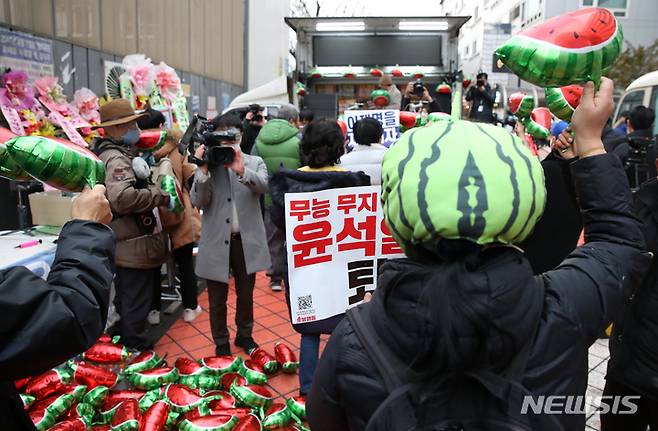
{"points": [[642, 91]]}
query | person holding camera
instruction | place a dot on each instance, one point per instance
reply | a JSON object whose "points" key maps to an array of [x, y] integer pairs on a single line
{"points": [[482, 99], [637, 150], [227, 187], [141, 244], [253, 122], [415, 93]]}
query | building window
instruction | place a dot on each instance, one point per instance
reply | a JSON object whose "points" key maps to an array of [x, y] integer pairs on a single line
{"points": [[475, 47], [617, 7], [515, 13], [475, 14]]}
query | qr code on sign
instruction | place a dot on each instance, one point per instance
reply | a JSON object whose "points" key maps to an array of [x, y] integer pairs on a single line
{"points": [[305, 302]]}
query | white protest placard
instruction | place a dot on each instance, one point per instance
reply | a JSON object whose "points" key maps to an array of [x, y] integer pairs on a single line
{"points": [[336, 241], [388, 118]]}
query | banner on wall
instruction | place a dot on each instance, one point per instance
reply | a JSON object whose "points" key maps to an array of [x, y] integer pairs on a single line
{"points": [[23, 51], [388, 118], [336, 242]]}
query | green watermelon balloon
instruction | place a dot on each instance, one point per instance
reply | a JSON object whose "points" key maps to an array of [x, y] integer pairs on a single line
{"points": [[57, 163], [563, 101], [538, 125], [570, 48], [380, 98], [443, 88], [461, 180], [438, 116], [521, 104], [8, 167], [300, 89]]}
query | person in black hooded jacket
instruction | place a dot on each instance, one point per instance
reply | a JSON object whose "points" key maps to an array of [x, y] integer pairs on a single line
{"points": [[321, 149], [45, 322], [449, 309]]}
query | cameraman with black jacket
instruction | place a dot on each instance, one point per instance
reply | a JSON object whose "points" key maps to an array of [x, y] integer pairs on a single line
{"points": [[639, 140], [232, 232], [483, 99]]}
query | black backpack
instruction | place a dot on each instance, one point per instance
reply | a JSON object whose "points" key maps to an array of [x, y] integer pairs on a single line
{"points": [[475, 401]]}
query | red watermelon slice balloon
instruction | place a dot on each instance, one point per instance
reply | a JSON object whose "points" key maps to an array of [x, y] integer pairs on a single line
{"points": [[407, 119], [315, 73], [538, 125], [376, 72], [563, 101], [397, 73], [570, 48], [380, 98], [443, 88], [467, 81], [521, 104]]}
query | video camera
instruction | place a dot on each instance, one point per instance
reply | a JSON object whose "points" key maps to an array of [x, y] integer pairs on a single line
{"points": [[637, 162], [419, 88], [256, 110], [202, 132]]}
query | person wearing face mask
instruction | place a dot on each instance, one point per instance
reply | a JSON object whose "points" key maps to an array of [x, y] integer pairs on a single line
{"points": [[386, 83], [141, 243], [232, 234]]}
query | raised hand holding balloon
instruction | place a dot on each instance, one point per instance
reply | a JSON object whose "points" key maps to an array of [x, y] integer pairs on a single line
{"points": [[567, 49]]}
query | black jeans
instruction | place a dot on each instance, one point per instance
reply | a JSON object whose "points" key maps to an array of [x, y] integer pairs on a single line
{"points": [[218, 294], [189, 289], [646, 415], [133, 301]]}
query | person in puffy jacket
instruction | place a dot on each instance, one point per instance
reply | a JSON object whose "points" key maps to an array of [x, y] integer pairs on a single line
{"points": [[368, 154], [278, 145], [321, 147], [465, 299], [46, 322]]}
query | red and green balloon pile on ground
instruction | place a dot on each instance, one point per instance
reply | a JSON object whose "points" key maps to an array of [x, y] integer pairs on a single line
{"points": [[110, 388]]}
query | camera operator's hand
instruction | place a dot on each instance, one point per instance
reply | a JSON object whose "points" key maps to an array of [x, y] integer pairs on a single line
{"points": [[238, 162], [92, 205], [199, 153], [426, 95], [590, 118]]}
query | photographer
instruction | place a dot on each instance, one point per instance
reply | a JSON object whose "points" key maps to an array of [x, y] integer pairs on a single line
{"points": [[637, 150], [232, 234], [482, 97], [253, 122], [417, 92]]}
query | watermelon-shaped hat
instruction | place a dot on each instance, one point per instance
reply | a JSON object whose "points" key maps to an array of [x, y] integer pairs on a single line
{"points": [[349, 73], [300, 89], [460, 180], [563, 101], [443, 88], [521, 104], [538, 125], [380, 98], [376, 72], [397, 73], [315, 73], [418, 74], [573, 47]]}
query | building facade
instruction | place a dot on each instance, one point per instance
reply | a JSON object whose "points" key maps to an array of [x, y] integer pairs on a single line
{"points": [[267, 41], [204, 40]]}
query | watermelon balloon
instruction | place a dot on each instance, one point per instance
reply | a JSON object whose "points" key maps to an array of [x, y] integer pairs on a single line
{"points": [[300, 89], [397, 73], [57, 163], [443, 88], [538, 125], [570, 48], [315, 73], [438, 116], [443, 182], [380, 98], [467, 81], [521, 104], [418, 74], [8, 167], [349, 74], [151, 139], [407, 119], [343, 126], [376, 72], [563, 101]]}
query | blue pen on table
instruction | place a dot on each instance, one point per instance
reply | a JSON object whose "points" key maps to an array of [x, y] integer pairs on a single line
{"points": [[29, 244]]}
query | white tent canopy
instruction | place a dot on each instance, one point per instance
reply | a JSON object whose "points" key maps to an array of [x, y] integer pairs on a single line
{"points": [[273, 93]]}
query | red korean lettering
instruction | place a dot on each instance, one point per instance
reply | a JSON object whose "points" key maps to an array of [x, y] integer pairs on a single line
{"points": [[365, 232], [368, 201], [311, 242], [300, 209], [320, 208], [346, 203], [389, 246]]}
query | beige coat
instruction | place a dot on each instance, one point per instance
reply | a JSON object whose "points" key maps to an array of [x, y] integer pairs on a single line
{"points": [[189, 229]]}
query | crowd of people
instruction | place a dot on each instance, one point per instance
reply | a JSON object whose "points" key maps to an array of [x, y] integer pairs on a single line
{"points": [[460, 327]]}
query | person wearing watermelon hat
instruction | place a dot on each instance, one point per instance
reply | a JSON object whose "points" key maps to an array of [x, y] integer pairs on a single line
{"points": [[141, 245], [386, 83], [458, 328]]}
